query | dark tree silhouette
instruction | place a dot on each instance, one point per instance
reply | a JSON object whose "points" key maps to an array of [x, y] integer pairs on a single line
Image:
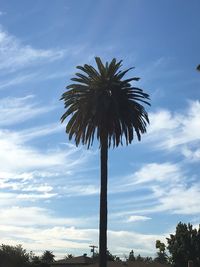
{"points": [[69, 256], [13, 256], [198, 67], [110, 256], [131, 256], [161, 254], [184, 245], [101, 103], [47, 257]]}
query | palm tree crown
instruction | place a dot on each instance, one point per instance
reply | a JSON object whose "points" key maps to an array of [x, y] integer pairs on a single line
{"points": [[101, 102]]}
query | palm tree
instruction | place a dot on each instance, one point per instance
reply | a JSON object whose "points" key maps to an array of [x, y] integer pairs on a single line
{"points": [[100, 103]]}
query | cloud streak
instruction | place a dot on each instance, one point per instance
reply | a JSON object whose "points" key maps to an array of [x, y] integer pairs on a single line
{"points": [[15, 55], [172, 131], [138, 218], [19, 109]]}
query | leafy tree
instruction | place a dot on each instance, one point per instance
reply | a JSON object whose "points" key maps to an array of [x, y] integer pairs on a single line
{"points": [[144, 259], [161, 254], [139, 258], [101, 103], [110, 256], [34, 260], [13, 256], [95, 255], [69, 256], [47, 258], [148, 259], [131, 256], [184, 245]]}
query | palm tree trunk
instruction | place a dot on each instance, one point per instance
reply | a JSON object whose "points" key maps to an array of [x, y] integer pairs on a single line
{"points": [[103, 205]]}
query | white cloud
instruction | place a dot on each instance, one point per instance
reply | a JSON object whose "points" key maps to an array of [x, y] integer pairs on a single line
{"points": [[124, 241], [80, 190], [162, 120], [170, 131], [7, 199], [37, 76], [36, 227], [15, 55], [39, 131], [149, 174], [192, 154], [178, 198], [19, 109], [157, 172], [28, 171], [162, 187], [41, 188], [33, 197], [18, 157], [181, 199], [32, 216], [60, 238], [19, 79], [138, 218], [15, 156]]}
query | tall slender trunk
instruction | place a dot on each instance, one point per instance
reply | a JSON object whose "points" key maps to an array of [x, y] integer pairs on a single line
{"points": [[103, 205]]}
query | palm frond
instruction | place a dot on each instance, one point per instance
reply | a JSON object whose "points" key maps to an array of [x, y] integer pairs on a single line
{"points": [[100, 103]]}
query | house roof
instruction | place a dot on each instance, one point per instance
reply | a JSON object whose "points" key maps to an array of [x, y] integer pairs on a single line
{"points": [[75, 260], [82, 260]]}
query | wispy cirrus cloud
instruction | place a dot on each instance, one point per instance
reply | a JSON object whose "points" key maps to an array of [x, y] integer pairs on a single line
{"points": [[147, 175], [180, 199], [191, 153], [19, 109], [15, 55], [39, 131], [18, 79], [33, 215], [27, 171], [171, 131], [15, 155], [162, 187]]}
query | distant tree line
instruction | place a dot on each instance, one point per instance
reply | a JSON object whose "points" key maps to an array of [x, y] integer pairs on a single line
{"points": [[183, 246], [16, 256]]}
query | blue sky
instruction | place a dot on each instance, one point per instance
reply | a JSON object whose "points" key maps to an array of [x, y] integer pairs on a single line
{"points": [[48, 187]]}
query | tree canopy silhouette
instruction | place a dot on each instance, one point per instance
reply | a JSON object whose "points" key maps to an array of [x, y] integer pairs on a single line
{"points": [[184, 245], [101, 103]]}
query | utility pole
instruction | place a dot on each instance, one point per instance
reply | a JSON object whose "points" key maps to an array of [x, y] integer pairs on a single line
{"points": [[93, 249]]}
